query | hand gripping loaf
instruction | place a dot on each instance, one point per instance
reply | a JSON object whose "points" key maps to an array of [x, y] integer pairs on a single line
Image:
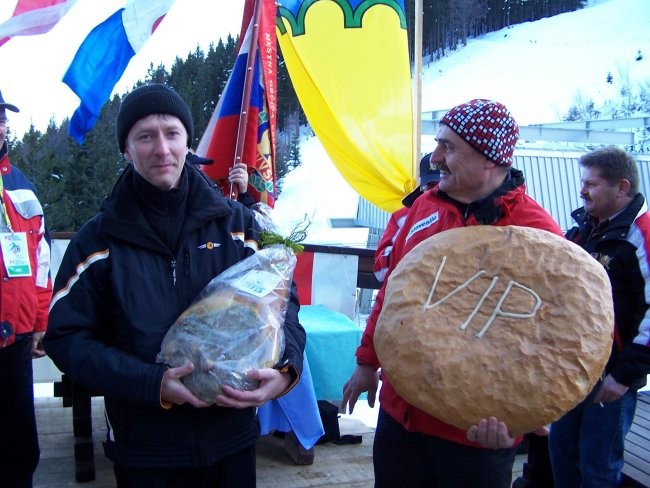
{"points": [[506, 321]]}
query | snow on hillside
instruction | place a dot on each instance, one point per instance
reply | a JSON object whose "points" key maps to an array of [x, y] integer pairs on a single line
{"points": [[317, 190], [536, 69]]}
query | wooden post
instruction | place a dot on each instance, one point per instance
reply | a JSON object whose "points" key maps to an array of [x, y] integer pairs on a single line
{"points": [[417, 86]]}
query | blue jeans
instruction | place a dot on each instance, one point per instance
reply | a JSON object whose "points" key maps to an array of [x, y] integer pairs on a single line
{"points": [[587, 444]]}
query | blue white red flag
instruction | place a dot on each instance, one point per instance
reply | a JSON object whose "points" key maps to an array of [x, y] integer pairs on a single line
{"points": [[219, 140], [104, 55], [33, 17]]}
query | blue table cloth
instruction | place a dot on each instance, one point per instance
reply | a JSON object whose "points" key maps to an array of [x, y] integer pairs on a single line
{"points": [[296, 411], [332, 339]]}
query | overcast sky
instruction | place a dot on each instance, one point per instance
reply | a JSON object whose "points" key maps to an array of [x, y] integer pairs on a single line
{"points": [[35, 65]]}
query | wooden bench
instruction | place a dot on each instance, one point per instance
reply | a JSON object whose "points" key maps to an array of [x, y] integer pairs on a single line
{"points": [[636, 471]]}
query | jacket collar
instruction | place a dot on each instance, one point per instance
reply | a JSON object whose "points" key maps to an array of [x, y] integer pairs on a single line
{"points": [[5, 165], [619, 226], [122, 217], [489, 209]]}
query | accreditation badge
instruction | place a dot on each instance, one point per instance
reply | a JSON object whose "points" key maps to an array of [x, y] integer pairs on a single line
{"points": [[14, 254]]}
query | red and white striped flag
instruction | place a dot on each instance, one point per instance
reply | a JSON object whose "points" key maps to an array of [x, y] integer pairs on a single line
{"points": [[327, 279], [33, 17]]}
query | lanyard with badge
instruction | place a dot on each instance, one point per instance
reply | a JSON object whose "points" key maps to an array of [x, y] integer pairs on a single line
{"points": [[13, 245]]}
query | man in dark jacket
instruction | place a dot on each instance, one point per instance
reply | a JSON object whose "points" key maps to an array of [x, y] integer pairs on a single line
{"points": [[162, 234], [587, 444]]}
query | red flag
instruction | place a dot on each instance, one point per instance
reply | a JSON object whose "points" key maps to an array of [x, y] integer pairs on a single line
{"points": [[32, 17], [219, 141]]}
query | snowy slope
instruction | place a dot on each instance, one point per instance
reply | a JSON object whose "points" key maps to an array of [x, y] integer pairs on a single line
{"points": [[536, 69]]}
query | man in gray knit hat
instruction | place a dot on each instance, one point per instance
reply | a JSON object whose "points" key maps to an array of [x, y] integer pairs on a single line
{"points": [[162, 234]]}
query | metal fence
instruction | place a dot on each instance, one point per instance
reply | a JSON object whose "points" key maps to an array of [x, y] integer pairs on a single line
{"points": [[552, 179]]}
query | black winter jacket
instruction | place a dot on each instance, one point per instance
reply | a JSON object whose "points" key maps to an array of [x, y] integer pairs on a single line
{"points": [[117, 292], [622, 248]]}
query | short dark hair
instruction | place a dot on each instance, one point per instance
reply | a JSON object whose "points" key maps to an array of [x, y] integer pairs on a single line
{"points": [[614, 165]]}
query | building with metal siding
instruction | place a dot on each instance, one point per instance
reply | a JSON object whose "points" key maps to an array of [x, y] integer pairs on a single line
{"points": [[552, 179]]}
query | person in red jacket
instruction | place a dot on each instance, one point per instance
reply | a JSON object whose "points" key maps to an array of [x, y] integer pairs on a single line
{"points": [[25, 293], [428, 178], [474, 151]]}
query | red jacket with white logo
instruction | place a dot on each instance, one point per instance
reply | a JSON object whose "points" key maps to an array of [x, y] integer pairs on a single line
{"points": [[431, 214], [24, 301]]}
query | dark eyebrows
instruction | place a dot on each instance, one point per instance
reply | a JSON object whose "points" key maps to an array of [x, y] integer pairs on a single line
{"points": [[588, 181]]}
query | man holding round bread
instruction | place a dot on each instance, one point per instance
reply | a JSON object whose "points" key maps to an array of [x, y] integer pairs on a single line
{"points": [[474, 154], [587, 443], [162, 234]]}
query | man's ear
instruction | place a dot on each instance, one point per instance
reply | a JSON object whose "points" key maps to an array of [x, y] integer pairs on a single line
{"points": [[488, 163], [623, 187]]}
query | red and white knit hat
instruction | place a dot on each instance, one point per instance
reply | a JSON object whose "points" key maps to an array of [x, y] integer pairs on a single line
{"points": [[487, 126]]}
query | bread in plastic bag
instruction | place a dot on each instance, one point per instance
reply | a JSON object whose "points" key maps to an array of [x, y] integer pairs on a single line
{"points": [[235, 325]]}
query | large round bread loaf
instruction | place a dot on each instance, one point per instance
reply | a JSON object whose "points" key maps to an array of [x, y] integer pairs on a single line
{"points": [[235, 325], [506, 321]]}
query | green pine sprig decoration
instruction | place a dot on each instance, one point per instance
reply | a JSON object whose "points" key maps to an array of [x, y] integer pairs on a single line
{"points": [[298, 234]]}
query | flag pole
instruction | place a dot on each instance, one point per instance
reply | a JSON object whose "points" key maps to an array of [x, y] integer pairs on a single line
{"points": [[417, 88], [246, 96]]}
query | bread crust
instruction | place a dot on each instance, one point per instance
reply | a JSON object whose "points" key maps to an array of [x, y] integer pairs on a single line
{"points": [[482, 321]]}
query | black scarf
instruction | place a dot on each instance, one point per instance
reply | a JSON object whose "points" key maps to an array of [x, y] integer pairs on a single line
{"points": [[163, 209]]}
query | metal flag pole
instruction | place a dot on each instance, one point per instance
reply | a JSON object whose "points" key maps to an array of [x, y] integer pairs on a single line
{"points": [[417, 86], [246, 96]]}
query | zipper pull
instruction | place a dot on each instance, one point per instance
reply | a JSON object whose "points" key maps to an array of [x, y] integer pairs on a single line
{"points": [[6, 331], [173, 263]]}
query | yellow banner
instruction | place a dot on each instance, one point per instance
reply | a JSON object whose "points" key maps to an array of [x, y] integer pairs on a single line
{"points": [[348, 62]]}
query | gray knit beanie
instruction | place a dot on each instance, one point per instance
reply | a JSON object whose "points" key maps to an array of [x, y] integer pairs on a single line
{"points": [[151, 99]]}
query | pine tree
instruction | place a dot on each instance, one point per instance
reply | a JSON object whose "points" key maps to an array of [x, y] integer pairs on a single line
{"points": [[294, 151]]}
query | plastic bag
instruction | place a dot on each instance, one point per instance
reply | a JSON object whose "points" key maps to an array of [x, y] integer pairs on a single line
{"points": [[236, 324]]}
